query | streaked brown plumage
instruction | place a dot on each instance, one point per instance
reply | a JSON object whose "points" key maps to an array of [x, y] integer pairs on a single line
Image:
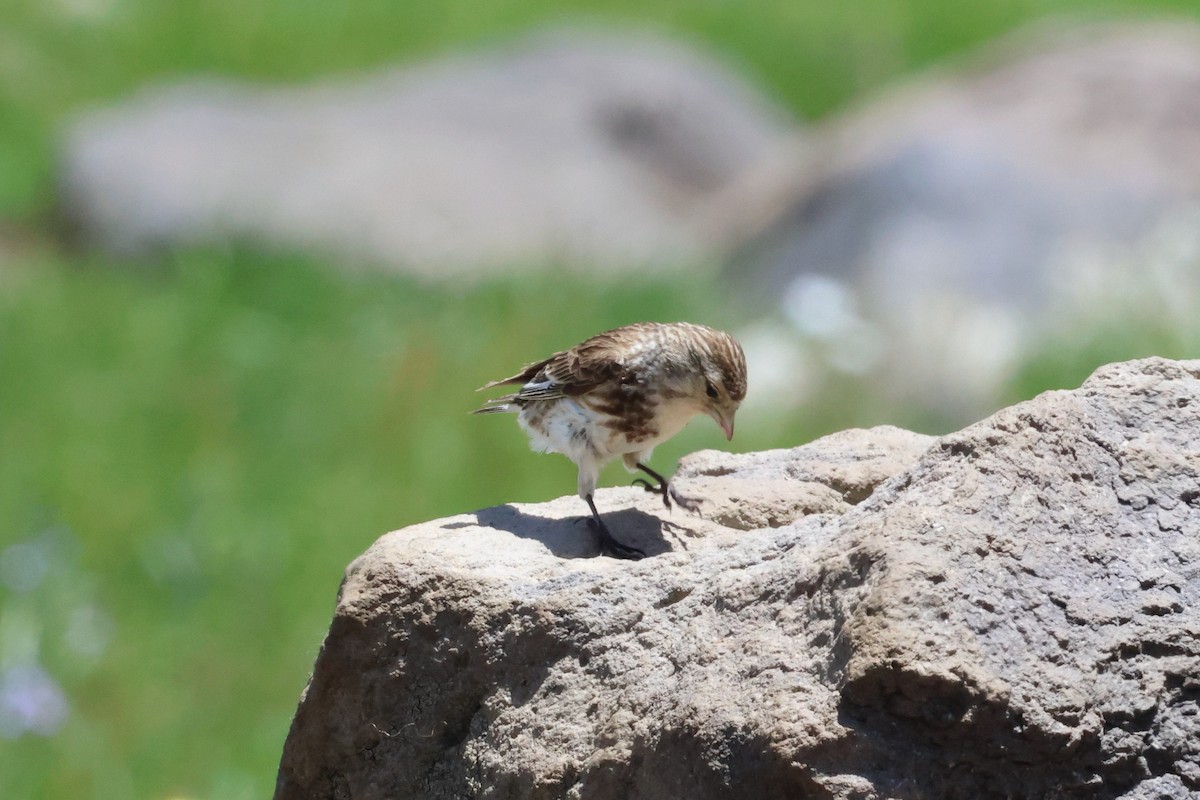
{"points": [[622, 392]]}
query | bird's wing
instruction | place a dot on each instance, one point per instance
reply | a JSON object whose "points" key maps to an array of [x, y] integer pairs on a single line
{"points": [[581, 369], [526, 374], [569, 373]]}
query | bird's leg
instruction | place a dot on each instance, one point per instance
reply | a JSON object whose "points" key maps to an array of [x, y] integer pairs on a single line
{"points": [[661, 489], [667, 491], [608, 544]]}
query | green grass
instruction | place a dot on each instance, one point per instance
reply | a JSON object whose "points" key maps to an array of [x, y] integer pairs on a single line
{"points": [[207, 447], [197, 447]]}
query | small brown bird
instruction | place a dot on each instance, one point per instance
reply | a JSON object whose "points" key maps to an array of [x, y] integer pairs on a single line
{"points": [[622, 392]]}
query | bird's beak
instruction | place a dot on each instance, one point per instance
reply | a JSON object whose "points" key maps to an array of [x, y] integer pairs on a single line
{"points": [[725, 420]]}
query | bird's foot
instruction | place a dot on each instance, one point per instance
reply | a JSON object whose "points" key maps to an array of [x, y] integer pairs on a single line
{"points": [[610, 546], [647, 485], [652, 489], [688, 504], [668, 493]]}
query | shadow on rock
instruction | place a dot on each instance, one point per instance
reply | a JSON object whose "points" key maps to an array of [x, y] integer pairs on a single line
{"points": [[574, 537]]}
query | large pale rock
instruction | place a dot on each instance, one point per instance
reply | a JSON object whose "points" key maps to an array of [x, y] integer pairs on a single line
{"points": [[1009, 611], [595, 149], [940, 226]]}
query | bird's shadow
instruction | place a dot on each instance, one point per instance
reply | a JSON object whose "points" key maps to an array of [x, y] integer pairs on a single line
{"points": [[573, 537]]}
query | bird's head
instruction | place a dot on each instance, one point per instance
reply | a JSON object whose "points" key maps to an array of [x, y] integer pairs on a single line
{"points": [[721, 377]]}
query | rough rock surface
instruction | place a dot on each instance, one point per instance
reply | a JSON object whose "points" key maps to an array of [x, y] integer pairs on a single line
{"points": [[599, 149], [1012, 610]]}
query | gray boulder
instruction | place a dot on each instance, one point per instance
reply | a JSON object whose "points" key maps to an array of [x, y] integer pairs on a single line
{"points": [[1012, 610], [939, 227], [593, 149]]}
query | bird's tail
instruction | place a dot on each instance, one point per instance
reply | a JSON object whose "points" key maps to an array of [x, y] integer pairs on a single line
{"points": [[500, 405]]}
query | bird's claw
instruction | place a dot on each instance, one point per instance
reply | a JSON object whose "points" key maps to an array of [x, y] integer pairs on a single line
{"points": [[688, 504], [610, 546], [668, 493], [660, 490]]}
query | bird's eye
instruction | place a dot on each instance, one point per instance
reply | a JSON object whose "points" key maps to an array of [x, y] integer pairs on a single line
{"points": [[710, 389]]}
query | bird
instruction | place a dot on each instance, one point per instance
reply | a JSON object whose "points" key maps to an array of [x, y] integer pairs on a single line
{"points": [[621, 393]]}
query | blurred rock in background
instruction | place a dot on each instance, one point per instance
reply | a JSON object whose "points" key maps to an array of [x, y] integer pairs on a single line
{"points": [[602, 150], [924, 241], [940, 225]]}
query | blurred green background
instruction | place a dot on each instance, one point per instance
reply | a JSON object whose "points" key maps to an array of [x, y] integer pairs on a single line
{"points": [[192, 450]]}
